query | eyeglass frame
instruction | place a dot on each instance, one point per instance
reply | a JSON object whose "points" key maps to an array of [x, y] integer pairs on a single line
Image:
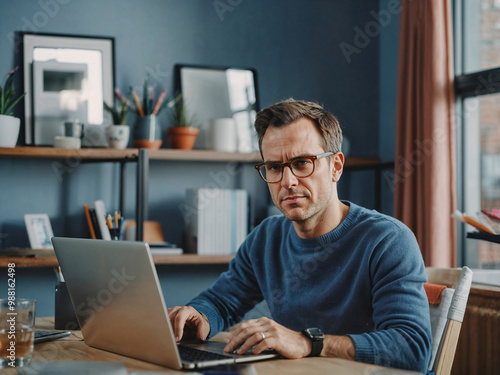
{"points": [[288, 164]]}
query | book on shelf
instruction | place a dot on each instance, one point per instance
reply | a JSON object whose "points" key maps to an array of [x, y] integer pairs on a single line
{"points": [[95, 214], [164, 248], [216, 220], [153, 235], [90, 221]]}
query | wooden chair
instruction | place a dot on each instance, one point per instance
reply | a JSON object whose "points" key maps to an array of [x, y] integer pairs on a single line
{"points": [[447, 315]]}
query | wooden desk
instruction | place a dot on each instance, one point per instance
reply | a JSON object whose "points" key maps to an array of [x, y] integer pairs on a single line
{"points": [[73, 348]]}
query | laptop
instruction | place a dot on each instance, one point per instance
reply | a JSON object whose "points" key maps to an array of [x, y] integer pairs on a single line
{"points": [[118, 301]]}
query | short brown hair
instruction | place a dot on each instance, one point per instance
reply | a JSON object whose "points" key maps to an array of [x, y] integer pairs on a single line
{"points": [[287, 111]]}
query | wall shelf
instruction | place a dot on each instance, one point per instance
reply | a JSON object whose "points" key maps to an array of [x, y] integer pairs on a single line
{"points": [[61, 153], [484, 236], [103, 154], [203, 155], [28, 258]]}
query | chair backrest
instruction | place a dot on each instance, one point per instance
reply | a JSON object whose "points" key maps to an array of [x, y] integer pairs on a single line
{"points": [[447, 316]]}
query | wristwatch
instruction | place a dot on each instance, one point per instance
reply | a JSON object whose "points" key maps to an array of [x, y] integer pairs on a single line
{"points": [[316, 336]]}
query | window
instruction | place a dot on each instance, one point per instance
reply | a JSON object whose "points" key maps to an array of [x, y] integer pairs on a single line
{"points": [[477, 65]]}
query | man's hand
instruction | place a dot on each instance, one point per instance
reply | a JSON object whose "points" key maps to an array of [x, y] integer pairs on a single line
{"points": [[187, 321], [264, 333]]}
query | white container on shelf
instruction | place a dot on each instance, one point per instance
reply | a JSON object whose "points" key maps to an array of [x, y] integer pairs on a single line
{"points": [[222, 135], [118, 136], [9, 130], [67, 142]]}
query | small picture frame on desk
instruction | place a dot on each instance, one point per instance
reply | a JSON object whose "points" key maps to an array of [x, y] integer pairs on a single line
{"points": [[39, 230]]}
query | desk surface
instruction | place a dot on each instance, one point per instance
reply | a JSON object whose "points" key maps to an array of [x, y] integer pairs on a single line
{"points": [[73, 348]]}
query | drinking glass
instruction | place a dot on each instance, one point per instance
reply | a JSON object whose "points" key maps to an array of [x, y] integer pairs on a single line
{"points": [[17, 323]]}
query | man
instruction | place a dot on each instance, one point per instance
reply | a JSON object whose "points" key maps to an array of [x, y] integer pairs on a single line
{"points": [[339, 280]]}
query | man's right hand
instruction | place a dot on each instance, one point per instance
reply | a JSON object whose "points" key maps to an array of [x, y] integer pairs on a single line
{"points": [[186, 321]]}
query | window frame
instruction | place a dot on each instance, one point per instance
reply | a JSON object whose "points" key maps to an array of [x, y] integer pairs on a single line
{"points": [[467, 85]]}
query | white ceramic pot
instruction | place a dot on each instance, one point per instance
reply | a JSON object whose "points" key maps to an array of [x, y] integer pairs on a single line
{"points": [[118, 136], [222, 135], [9, 130]]}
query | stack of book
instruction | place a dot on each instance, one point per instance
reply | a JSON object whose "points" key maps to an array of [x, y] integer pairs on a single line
{"points": [[216, 220], [153, 235], [95, 213]]}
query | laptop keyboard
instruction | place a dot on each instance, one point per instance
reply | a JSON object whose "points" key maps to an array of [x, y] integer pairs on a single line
{"points": [[196, 355]]}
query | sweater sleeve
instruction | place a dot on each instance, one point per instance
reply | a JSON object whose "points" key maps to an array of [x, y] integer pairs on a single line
{"points": [[402, 338], [233, 294]]}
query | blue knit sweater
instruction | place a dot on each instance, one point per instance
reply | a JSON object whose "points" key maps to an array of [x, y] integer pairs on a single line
{"points": [[363, 279]]}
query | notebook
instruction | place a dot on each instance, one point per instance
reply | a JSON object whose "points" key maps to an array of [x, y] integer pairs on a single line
{"points": [[116, 294]]}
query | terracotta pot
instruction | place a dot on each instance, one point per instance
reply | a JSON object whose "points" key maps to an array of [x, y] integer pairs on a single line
{"points": [[182, 137]]}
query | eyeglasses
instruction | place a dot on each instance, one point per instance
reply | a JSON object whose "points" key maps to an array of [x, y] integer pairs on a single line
{"points": [[301, 167]]}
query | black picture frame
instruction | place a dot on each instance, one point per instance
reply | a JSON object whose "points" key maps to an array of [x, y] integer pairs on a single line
{"points": [[207, 104]]}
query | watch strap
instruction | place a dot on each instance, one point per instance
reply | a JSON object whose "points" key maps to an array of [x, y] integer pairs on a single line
{"points": [[316, 342], [317, 347]]}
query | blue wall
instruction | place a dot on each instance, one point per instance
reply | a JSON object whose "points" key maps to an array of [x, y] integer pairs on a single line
{"points": [[295, 46], [388, 58]]}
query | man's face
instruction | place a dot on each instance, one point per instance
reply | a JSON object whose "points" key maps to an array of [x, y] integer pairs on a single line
{"points": [[299, 199]]}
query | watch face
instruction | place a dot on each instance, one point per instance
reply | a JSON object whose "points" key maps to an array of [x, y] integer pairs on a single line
{"points": [[315, 333]]}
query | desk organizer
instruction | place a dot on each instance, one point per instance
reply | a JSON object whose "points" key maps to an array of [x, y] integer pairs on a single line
{"points": [[64, 317]]}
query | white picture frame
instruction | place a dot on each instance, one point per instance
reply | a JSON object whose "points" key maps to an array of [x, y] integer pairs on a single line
{"points": [[39, 231]]}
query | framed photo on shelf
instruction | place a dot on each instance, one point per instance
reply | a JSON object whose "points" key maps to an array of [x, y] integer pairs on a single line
{"points": [[39, 231], [66, 78], [214, 94]]}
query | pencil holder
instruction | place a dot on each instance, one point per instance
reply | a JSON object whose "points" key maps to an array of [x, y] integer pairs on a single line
{"points": [[114, 233], [64, 317], [147, 133]]}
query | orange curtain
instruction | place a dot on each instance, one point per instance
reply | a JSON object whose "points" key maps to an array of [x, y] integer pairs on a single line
{"points": [[425, 192]]}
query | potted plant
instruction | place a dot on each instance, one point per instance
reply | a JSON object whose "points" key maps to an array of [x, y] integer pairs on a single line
{"points": [[9, 125], [147, 132], [183, 134], [118, 133]]}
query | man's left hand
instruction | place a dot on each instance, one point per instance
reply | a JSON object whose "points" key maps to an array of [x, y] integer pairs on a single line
{"points": [[262, 334]]}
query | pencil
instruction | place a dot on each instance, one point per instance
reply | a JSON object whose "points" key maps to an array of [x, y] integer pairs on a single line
{"points": [[137, 103], [109, 222], [120, 235], [59, 274], [151, 98], [117, 219], [160, 99], [89, 221]]}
